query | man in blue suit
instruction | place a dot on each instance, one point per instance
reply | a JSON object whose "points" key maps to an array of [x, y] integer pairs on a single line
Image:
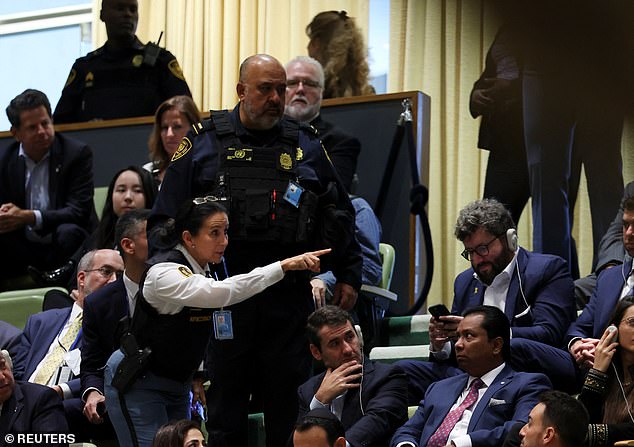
{"points": [[104, 309], [613, 284], [535, 291], [45, 331], [46, 189], [479, 407]]}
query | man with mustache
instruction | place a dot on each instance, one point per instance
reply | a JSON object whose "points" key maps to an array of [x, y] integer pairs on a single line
{"points": [[304, 92], [535, 291], [283, 196], [123, 78]]}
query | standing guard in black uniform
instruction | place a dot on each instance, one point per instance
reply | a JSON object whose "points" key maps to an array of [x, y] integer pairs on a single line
{"points": [[123, 78], [283, 198]]}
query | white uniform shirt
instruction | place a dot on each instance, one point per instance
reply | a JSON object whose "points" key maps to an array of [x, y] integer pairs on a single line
{"points": [[170, 286]]}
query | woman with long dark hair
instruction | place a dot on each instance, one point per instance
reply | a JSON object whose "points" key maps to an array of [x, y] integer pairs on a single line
{"points": [[608, 391]]}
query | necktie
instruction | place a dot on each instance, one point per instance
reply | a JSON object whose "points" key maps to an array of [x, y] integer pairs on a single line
{"points": [[54, 358], [629, 285], [439, 438]]}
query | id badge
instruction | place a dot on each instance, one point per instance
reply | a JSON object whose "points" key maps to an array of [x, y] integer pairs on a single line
{"points": [[223, 327], [293, 194]]}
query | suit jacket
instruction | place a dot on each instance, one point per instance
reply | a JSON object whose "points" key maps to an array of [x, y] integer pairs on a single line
{"points": [[103, 309], [596, 315], [70, 183], [32, 408], [342, 148], [508, 400], [384, 399], [39, 332], [546, 286], [9, 337], [611, 247]]}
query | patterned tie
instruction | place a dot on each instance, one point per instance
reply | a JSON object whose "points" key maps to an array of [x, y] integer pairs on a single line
{"points": [[54, 359], [439, 438]]}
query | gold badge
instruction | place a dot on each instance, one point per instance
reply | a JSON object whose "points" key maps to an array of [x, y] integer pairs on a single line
{"points": [[137, 60], [286, 162], [89, 79], [176, 69], [71, 77], [185, 271], [183, 148], [300, 154], [244, 154]]}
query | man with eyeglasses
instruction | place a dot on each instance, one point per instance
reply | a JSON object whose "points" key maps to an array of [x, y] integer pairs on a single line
{"points": [[534, 290], [284, 198], [304, 92], [49, 350]]}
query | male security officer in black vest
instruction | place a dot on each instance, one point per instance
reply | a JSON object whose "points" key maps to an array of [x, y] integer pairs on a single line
{"points": [[283, 198], [123, 78]]}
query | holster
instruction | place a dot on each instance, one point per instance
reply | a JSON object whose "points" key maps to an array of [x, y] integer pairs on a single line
{"points": [[133, 364]]}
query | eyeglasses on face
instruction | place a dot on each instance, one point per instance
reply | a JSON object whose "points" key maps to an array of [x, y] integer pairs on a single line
{"points": [[481, 250], [629, 321], [207, 199], [106, 271], [307, 83]]}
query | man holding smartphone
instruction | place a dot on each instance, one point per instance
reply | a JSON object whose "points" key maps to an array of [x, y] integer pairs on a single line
{"points": [[535, 291]]}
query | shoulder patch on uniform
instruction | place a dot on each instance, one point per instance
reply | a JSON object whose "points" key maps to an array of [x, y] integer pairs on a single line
{"points": [[176, 70], [137, 60], [183, 148], [71, 77], [185, 271]]}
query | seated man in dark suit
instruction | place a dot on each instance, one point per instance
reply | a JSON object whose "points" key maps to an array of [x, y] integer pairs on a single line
{"points": [[49, 349], [319, 428], [479, 407], [611, 253], [9, 337], [535, 292], [104, 309], [369, 398], [304, 91], [28, 408], [46, 189], [613, 284]]}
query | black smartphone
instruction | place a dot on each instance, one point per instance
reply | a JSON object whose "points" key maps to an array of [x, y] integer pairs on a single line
{"points": [[438, 310]]}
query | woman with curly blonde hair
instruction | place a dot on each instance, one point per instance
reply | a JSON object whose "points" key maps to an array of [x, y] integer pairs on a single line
{"points": [[337, 43]]}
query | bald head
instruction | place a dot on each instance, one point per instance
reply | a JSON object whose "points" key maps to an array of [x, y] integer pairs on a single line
{"points": [[261, 89]]}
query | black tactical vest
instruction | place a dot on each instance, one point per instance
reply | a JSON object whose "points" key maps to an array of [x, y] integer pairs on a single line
{"points": [[178, 342], [254, 180]]}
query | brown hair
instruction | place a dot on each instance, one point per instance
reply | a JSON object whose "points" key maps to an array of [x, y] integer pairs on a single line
{"points": [[186, 106], [342, 54]]}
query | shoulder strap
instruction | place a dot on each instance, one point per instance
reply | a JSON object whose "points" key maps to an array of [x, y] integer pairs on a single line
{"points": [[224, 128]]}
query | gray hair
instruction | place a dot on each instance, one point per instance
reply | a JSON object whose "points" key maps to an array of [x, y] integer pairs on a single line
{"points": [[7, 358], [310, 61], [85, 263], [488, 214]]}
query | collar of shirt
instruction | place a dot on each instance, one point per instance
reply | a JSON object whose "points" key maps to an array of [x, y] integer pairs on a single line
{"points": [[196, 267], [131, 289], [489, 377], [30, 163], [75, 311]]}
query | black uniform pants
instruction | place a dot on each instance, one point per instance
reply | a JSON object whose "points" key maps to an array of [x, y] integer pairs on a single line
{"points": [[265, 362]]}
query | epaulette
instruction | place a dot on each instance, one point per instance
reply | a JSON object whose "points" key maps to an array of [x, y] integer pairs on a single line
{"points": [[203, 126], [94, 53]]}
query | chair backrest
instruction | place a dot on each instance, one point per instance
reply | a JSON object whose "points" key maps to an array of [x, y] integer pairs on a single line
{"points": [[99, 199], [16, 310], [387, 256]]}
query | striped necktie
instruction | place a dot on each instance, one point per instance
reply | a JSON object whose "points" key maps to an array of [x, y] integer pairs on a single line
{"points": [[439, 438]]}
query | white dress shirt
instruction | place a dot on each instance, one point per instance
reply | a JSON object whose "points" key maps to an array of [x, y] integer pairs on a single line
{"points": [[170, 286]]}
